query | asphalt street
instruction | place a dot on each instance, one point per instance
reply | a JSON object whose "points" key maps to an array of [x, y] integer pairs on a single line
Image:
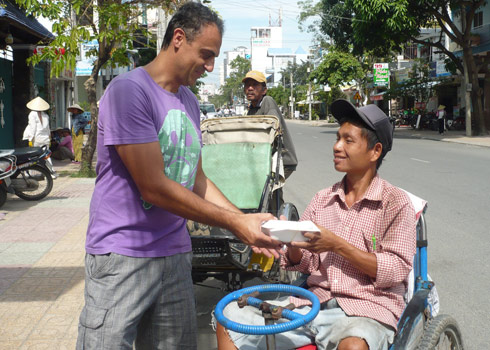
{"points": [[453, 178]]}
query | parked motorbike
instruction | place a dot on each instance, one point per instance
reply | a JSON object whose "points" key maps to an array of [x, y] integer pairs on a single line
{"points": [[26, 173], [401, 118], [425, 121]]}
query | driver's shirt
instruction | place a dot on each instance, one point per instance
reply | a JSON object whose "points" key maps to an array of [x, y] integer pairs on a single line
{"points": [[383, 222], [268, 106]]}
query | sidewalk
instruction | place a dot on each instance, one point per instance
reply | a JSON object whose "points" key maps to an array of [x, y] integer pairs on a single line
{"points": [[457, 136], [41, 264]]}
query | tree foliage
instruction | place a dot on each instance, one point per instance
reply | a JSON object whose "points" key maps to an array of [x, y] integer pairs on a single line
{"points": [[111, 23], [280, 94], [417, 85], [339, 68], [299, 71], [383, 26], [233, 87]]}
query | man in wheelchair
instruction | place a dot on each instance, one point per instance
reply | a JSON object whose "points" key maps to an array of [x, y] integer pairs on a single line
{"points": [[358, 264]]}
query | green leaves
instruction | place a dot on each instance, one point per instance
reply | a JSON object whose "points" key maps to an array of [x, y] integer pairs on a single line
{"points": [[112, 23], [233, 86], [339, 68]]}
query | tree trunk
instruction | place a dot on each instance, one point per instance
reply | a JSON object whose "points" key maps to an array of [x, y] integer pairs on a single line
{"points": [[90, 147], [477, 115]]}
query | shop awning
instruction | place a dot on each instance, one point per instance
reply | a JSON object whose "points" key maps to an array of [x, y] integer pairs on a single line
{"points": [[475, 50], [24, 29], [377, 97], [305, 102]]}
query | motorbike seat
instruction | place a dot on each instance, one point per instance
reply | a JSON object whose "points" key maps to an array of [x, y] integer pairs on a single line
{"points": [[6, 152], [25, 153]]}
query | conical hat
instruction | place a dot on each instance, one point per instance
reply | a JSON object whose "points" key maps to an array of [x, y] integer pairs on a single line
{"points": [[441, 107], [75, 106], [38, 104]]}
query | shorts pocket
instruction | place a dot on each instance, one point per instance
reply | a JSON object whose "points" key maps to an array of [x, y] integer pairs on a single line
{"points": [[92, 316], [97, 266]]}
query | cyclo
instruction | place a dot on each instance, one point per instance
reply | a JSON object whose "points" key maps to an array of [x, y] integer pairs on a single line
{"points": [[243, 157]]}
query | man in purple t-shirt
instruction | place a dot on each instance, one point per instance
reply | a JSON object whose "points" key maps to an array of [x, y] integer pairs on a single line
{"points": [[138, 286]]}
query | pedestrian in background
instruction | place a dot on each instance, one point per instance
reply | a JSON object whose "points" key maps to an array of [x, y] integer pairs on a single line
{"points": [[65, 147], [138, 283], [37, 131], [77, 130], [441, 117]]}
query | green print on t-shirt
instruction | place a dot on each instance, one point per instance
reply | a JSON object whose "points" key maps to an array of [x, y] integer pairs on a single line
{"points": [[180, 147]]}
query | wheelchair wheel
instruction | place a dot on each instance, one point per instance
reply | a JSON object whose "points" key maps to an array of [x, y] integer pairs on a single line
{"points": [[441, 333]]}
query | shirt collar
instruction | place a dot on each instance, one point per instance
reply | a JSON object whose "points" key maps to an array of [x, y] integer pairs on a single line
{"points": [[373, 193], [250, 106]]}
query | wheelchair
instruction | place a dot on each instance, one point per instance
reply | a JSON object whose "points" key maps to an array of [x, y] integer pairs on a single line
{"points": [[420, 326], [243, 157]]}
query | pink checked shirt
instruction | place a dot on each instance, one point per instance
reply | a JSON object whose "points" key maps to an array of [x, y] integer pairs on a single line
{"points": [[384, 212]]}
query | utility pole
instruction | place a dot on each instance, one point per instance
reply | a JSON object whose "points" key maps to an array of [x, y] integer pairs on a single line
{"points": [[161, 27], [466, 82], [291, 98], [309, 95]]}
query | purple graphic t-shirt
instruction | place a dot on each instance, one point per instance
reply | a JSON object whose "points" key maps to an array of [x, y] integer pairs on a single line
{"points": [[134, 109]]}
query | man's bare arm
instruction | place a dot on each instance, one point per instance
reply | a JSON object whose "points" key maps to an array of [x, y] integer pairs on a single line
{"points": [[145, 164]]}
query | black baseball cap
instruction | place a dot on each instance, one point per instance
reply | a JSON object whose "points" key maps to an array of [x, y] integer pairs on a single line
{"points": [[371, 115]]}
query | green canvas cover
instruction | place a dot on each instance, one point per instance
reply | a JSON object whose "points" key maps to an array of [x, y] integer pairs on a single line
{"points": [[239, 170]]}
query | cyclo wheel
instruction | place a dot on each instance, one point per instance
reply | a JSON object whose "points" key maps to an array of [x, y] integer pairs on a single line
{"points": [[441, 333], [43, 178]]}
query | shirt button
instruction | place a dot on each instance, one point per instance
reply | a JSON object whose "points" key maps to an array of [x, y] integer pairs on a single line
{"points": [[335, 281]]}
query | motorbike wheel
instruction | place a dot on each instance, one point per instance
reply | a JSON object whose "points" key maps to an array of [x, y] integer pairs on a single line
{"points": [[3, 195], [43, 178]]}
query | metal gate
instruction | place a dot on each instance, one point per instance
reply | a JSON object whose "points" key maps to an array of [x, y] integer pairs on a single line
{"points": [[6, 115]]}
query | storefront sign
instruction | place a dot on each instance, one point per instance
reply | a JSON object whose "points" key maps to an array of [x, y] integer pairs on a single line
{"points": [[401, 75], [441, 69], [381, 74], [86, 64], [261, 42]]}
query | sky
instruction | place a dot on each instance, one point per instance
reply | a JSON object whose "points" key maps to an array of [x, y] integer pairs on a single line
{"points": [[239, 16]]}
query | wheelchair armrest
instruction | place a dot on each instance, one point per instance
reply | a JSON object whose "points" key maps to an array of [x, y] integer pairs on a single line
{"points": [[414, 308], [301, 281]]}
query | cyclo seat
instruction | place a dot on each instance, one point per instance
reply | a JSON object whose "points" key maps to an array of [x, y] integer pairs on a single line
{"points": [[25, 153]]}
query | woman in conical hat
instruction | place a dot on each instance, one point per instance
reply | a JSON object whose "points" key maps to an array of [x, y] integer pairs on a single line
{"points": [[37, 131], [77, 130], [441, 118], [37, 104]]}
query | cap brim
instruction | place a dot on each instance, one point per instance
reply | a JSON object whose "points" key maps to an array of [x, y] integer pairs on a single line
{"points": [[258, 81], [343, 108]]}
